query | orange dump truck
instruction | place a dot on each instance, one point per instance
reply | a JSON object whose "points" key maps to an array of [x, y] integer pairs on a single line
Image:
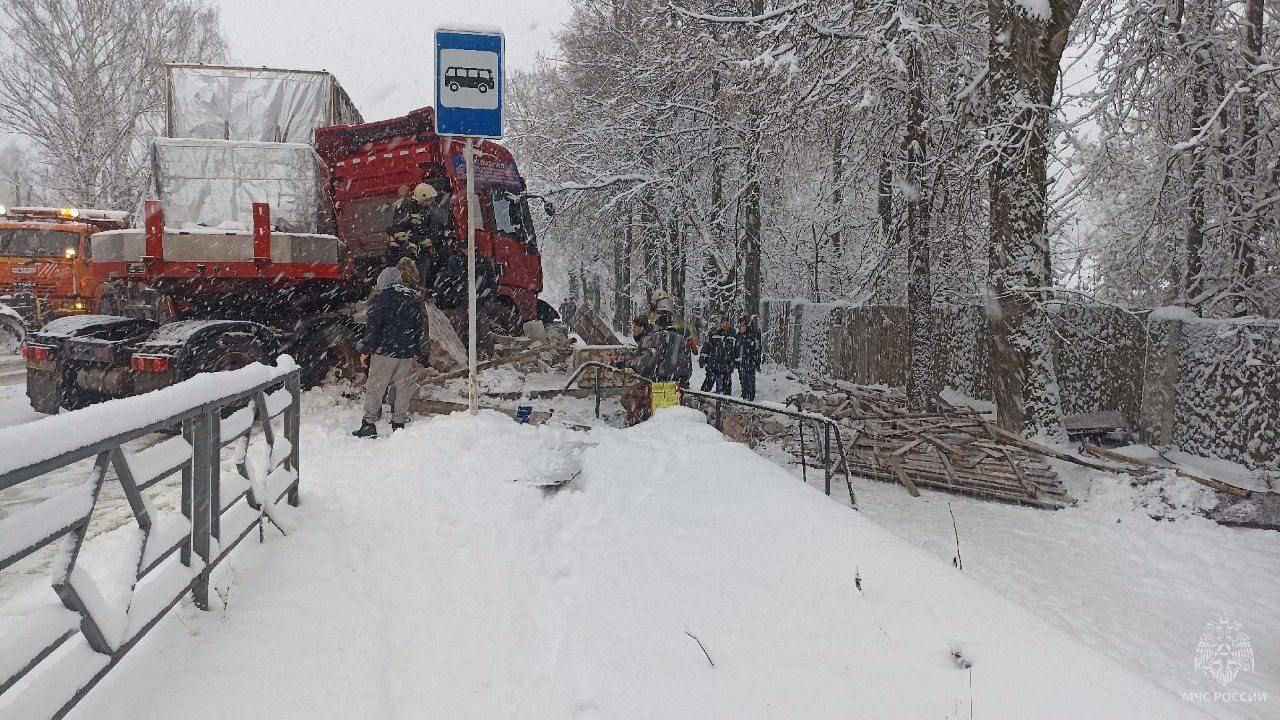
{"points": [[44, 261]]}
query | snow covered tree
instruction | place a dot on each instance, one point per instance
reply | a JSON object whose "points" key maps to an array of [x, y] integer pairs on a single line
{"points": [[16, 182], [1028, 38], [83, 80], [1175, 152]]}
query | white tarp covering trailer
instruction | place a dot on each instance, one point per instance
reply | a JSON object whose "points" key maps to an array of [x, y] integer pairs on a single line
{"points": [[255, 104], [207, 189], [214, 184]]}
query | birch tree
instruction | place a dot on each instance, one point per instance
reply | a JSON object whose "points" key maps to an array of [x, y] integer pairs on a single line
{"points": [[83, 81]]}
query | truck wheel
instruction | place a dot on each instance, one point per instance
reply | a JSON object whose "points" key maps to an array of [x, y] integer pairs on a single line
{"points": [[75, 398], [546, 313], [331, 348], [505, 315], [225, 351]]}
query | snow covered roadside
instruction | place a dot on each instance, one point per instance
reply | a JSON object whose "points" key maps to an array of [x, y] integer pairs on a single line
{"points": [[15, 408], [1135, 589], [423, 581]]}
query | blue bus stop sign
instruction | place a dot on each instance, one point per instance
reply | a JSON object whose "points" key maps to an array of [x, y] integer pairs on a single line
{"points": [[469, 83]]}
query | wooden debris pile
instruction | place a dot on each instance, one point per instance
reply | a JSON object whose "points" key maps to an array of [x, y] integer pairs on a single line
{"points": [[954, 449]]}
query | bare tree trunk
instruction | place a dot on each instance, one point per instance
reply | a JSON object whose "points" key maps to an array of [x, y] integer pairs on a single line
{"points": [[1193, 281], [751, 231], [884, 198], [1248, 235], [680, 267], [751, 207], [884, 208], [817, 261], [921, 382], [1025, 52], [622, 275], [837, 183]]}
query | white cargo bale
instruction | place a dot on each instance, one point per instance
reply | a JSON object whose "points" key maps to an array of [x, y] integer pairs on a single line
{"points": [[214, 184], [215, 246]]}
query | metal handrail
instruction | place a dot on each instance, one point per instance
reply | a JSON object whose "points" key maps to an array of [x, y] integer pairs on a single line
{"points": [[202, 506], [830, 427]]}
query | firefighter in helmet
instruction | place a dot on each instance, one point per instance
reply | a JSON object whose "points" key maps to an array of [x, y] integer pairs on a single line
{"points": [[423, 228]]}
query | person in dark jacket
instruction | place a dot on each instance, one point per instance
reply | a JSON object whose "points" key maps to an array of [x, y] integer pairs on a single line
{"points": [[423, 228], [403, 214], [409, 278], [749, 355], [393, 334], [639, 328], [718, 357], [664, 352], [635, 399]]}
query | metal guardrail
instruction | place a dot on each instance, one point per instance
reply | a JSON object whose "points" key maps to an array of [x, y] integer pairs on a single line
{"points": [[178, 551], [830, 428]]}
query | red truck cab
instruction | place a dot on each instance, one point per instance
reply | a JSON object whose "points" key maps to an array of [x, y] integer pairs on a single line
{"points": [[373, 165]]}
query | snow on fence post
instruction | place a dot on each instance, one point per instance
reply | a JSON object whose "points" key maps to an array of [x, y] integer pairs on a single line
{"points": [[203, 463], [292, 424], [59, 650]]}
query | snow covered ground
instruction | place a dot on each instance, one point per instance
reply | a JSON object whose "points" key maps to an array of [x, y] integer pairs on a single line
{"points": [[418, 551], [679, 576], [15, 409], [1137, 590]]}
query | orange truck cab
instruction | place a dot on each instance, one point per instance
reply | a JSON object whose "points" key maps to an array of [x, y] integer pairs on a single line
{"points": [[44, 260]]}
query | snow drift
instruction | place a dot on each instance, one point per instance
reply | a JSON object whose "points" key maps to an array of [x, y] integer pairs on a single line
{"points": [[679, 576]]}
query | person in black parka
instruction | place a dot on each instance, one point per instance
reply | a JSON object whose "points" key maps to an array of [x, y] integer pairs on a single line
{"points": [[718, 357], [393, 334]]}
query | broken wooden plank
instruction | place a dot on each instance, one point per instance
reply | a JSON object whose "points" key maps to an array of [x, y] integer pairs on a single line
{"points": [[906, 480], [1207, 482]]}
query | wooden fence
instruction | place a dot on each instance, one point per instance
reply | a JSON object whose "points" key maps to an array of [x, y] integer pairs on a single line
{"points": [[1209, 387]]}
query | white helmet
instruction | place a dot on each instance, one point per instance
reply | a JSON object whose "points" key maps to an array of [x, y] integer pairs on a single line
{"points": [[424, 193]]}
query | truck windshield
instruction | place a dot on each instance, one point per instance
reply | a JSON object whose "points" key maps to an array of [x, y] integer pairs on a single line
{"points": [[36, 243], [511, 218]]}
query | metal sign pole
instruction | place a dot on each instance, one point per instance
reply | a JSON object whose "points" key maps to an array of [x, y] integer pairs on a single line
{"points": [[472, 380], [469, 90]]}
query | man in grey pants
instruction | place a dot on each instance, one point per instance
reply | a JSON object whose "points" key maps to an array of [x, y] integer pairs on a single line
{"points": [[392, 335]]}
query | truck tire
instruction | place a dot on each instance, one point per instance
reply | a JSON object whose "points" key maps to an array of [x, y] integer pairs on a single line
{"points": [[505, 315], [72, 397], [224, 351], [329, 349], [546, 313]]}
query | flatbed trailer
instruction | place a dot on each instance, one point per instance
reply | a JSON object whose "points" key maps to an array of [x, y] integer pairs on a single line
{"points": [[176, 303]]}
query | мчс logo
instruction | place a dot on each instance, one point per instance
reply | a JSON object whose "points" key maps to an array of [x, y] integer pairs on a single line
{"points": [[1224, 650]]}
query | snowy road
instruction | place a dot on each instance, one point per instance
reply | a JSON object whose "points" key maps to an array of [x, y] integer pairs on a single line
{"points": [[425, 580], [15, 409], [12, 372]]}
